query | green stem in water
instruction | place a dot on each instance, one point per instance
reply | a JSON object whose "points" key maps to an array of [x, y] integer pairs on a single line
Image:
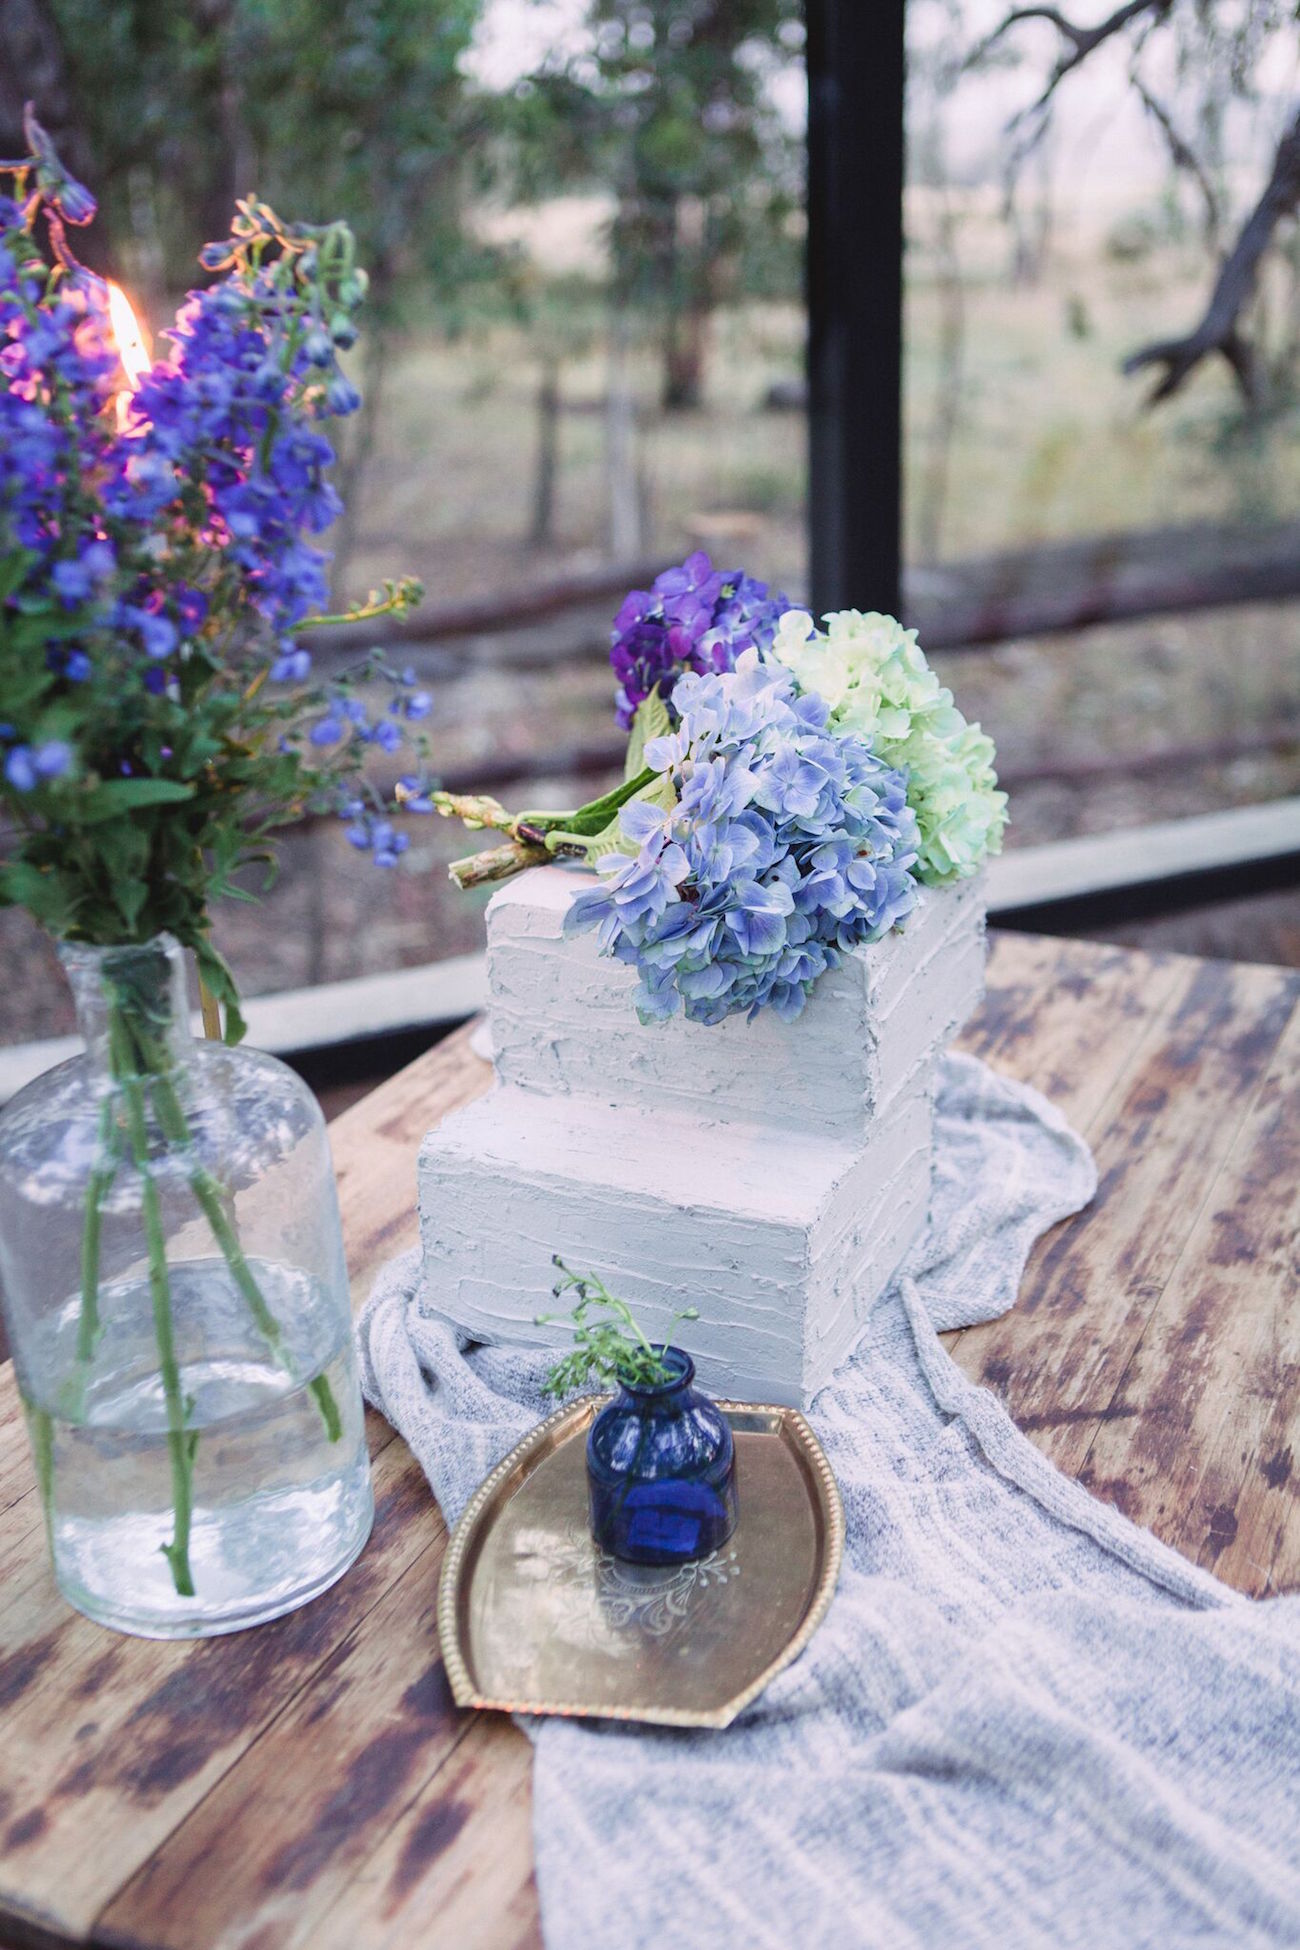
{"points": [[182, 1443], [212, 1203], [211, 1011], [89, 1327]]}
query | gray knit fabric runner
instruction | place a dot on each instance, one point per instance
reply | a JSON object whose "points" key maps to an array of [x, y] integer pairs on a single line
{"points": [[1024, 1722]]}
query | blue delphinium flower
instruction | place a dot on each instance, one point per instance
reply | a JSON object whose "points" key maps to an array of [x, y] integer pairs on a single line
{"points": [[371, 832], [28, 766], [786, 846], [694, 618]]}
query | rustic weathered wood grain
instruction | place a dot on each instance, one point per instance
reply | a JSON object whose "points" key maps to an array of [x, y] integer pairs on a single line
{"points": [[1161, 1139], [1068, 1016], [302, 1811], [1208, 1459], [311, 1784], [468, 1832], [109, 1742]]}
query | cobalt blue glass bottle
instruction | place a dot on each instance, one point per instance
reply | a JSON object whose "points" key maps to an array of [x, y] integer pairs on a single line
{"points": [[661, 1470]]}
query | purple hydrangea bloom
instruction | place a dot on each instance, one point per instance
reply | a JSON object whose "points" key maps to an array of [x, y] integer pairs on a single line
{"points": [[787, 846], [696, 618]]}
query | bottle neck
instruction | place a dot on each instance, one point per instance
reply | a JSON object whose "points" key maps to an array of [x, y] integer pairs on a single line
{"points": [[131, 1002], [669, 1393]]}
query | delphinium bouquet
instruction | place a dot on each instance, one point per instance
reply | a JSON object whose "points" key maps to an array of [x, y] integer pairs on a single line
{"points": [[159, 717], [786, 792]]}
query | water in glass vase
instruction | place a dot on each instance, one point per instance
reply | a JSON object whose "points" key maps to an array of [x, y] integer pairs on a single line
{"points": [[258, 1501]]}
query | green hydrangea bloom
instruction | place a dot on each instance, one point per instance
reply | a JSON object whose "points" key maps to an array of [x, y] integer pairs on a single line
{"points": [[873, 674]]}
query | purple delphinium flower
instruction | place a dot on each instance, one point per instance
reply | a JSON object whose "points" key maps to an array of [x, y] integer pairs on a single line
{"points": [[53, 758], [20, 768], [787, 846], [373, 833], [695, 617], [292, 666]]}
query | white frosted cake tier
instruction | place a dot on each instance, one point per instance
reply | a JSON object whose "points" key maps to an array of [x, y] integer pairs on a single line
{"points": [[563, 1023]]}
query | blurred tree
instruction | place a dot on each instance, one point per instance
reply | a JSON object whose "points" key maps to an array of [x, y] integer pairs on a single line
{"points": [[671, 105], [565, 316], [152, 94], [353, 108], [34, 65], [1216, 52], [362, 109]]}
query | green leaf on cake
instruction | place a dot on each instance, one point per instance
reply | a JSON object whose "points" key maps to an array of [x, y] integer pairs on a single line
{"points": [[651, 721]]}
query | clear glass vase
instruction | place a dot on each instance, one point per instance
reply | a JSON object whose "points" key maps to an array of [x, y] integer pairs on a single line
{"points": [[173, 1281]]}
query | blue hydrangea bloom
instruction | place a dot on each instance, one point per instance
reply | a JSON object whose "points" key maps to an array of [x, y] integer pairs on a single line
{"points": [[787, 846]]}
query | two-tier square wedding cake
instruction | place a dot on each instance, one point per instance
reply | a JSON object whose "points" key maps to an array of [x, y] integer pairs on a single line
{"points": [[773, 1174]]}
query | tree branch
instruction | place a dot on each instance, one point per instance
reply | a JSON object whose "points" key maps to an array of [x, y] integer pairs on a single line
{"points": [[1220, 330], [1029, 125], [1182, 155], [1080, 41]]}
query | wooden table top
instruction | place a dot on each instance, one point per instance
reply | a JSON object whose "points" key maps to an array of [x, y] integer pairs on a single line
{"points": [[311, 1783]]}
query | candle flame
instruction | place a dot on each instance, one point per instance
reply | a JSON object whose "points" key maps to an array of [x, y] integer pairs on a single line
{"points": [[132, 348]]}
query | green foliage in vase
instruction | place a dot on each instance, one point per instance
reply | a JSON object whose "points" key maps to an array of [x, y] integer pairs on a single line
{"points": [[608, 1346]]}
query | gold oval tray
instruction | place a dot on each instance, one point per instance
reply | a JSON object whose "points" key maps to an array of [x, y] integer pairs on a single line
{"points": [[533, 1618]]}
